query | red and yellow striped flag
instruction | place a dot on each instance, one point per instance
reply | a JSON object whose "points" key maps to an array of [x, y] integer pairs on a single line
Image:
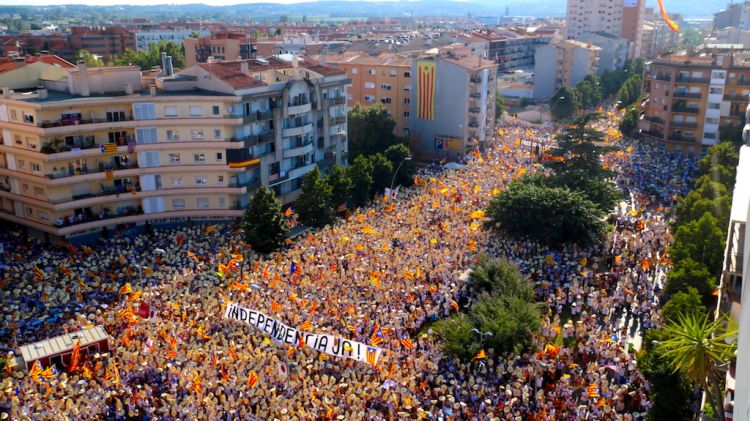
{"points": [[252, 379], [481, 355]]}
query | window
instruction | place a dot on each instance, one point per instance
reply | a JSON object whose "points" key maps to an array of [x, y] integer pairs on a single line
{"points": [[28, 118], [21, 163], [385, 86], [407, 87], [714, 106], [354, 70], [217, 134], [35, 167], [144, 111], [222, 202], [201, 202], [393, 73], [13, 115], [385, 100], [219, 156], [369, 98], [201, 180], [372, 71], [712, 120], [709, 135], [215, 110], [406, 114], [369, 85], [407, 100], [25, 188], [177, 181], [199, 157], [407, 74], [30, 211], [196, 111], [145, 135], [171, 136], [220, 179], [716, 90], [170, 111], [178, 203], [174, 158], [18, 140], [196, 134], [38, 191]]}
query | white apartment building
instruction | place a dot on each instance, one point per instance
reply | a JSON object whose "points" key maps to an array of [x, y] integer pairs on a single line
{"points": [[144, 39]]}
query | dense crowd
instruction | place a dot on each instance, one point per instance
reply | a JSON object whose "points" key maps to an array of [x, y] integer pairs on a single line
{"points": [[395, 266]]}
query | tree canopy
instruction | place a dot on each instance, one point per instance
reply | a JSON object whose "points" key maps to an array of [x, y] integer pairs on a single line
{"points": [[314, 203], [265, 227], [370, 130], [146, 59]]}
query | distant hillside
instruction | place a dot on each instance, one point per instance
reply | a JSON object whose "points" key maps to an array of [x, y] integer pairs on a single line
{"points": [[336, 9]]}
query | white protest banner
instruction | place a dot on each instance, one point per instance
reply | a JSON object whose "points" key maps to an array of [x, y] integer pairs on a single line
{"points": [[280, 332]]}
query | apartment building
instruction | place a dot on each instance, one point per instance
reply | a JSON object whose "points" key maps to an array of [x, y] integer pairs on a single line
{"points": [[145, 38], [736, 15], [453, 103], [381, 78], [621, 18], [219, 47], [98, 149], [107, 42], [563, 64], [691, 95]]}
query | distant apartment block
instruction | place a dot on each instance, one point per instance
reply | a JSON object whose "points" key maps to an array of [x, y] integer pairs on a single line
{"points": [[563, 64], [97, 148], [106, 42], [383, 78], [690, 96], [222, 46], [453, 103], [622, 18], [736, 15], [145, 38]]}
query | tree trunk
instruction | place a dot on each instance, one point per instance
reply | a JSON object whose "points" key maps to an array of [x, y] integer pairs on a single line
{"points": [[713, 390]]}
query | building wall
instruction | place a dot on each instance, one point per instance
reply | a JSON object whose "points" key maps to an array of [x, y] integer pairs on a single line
{"points": [[198, 50], [632, 25], [742, 371], [144, 39], [588, 16], [545, 71]]}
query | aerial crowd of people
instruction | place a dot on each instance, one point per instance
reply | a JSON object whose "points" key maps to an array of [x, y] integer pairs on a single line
{"points": [[387, 270]]}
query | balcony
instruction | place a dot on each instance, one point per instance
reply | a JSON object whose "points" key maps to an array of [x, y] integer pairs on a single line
{"points": [[80, 121], [680, 138], [247, 141], [337, 100], [300, 171], [654, 134], [473, 123], [266, 137], [264, 115], [102, 168], [686, 94], [297, 151], [299, 109], [736, 113], [685, 124], [250, 184], [297, 130], [337, 120], [475, 79], [655, 120], [474, 110], [664, 77], [737, 98], [685, 110], [475, 94], [690, 79], [743, 82], [248, 119]]}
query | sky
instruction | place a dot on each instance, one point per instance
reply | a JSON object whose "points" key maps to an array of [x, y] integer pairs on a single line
{"points": [[142, 2]]}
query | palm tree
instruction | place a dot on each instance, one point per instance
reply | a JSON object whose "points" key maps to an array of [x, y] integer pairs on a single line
{"points": [[698, 347]]}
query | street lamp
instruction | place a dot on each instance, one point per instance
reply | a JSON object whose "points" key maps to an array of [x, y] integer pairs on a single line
{"points": [[406, 158]]}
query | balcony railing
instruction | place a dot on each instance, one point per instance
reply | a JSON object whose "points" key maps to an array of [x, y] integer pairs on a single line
{"points": [[475, 95], [656, 120], [681, 109], [76, 122], [739, 98], [106, 191], [336, 120], [743, 82], [474, 110], [690, 79], [266, 137], [475, 79], [82, 171], [265, 115], [687, 124], [75, 220], [665, 77], [337, 100], [473, 124], [675, 138], [686, 94]]}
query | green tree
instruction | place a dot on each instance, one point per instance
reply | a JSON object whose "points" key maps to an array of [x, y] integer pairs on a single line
{"points": [[397, 154], [691, 38], [370, 130], [602, 192], [499, 105], [340, 183], [589, 91], [501, 276], [629, 122], [265, 228], [670, 391], [683, 302], [146, 59], [90, 59], [563, 104], [550, 215], [360, 172], [701, 240], [687, 274], [611, 82], [195, 34], [625, 94], [697, 347], [511, 320], [382, 173], [580, 148], [314, 203], [457, 337], [725, 154]]}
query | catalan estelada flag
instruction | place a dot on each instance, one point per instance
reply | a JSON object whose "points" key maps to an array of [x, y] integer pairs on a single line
{"points": [[108, 148], [481, 355], [38, 274], [245, 163], [426, 82], [252, 379], [372, 355]]}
